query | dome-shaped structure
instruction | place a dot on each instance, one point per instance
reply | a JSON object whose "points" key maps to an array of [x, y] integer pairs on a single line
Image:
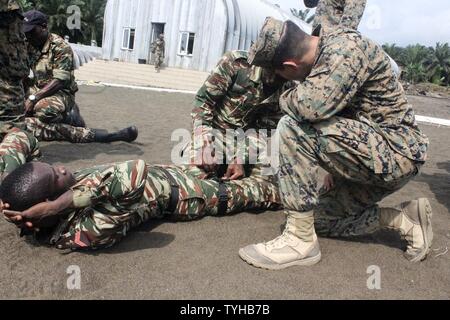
{"points": [[197, 32]]}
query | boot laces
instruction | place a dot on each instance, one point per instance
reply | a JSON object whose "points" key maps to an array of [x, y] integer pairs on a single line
{"points": [[281, 241]]}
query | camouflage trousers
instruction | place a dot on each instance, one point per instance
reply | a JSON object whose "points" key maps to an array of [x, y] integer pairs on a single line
{"points": [[159, 60], [17, 148], [197, 198], [53, 109], [364, 167], [11, 100], [58, 131]]}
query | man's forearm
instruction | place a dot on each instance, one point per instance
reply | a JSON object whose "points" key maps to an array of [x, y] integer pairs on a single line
{"points": [[50, 89]]}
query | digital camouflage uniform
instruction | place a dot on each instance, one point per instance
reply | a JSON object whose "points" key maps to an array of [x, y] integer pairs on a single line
{"points": [[237, 96], [54, 61], [352, 118], [14, 63], [159, 47], [333, 13], [112, 199]]}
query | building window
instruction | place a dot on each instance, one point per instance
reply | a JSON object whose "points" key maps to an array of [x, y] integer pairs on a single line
{"points": [[186, 43], [128, 38]]}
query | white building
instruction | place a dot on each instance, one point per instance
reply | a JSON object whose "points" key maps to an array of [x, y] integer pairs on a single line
{"points": [[197, 32]]}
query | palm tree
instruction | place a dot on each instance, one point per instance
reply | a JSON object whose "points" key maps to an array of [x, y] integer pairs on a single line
{"points": [[438, 64], [413, 59], [92, 20], [393, 51], [304, 15], [26, 4]]}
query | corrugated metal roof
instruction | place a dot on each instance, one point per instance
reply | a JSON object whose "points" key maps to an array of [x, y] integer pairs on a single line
{"points": [[246, 17]]}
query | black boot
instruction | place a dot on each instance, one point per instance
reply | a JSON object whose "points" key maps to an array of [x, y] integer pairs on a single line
{"points": [[74, 118], [129, 134]]}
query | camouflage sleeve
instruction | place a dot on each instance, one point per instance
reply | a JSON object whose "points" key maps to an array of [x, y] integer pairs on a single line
{"points": [[213, 91], [121, 184], [63, 64], [330, 87], [353, 12]]}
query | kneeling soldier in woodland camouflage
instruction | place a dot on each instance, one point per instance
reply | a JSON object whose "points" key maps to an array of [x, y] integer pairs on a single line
{"points": [[95, 208], [350, 116]]}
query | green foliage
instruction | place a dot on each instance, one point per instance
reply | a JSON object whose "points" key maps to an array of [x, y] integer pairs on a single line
{"points": [[304, 15], [92, 12], [422, 64]]}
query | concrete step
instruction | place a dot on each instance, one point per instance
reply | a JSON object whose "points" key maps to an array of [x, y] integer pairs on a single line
{"points": [[141, 75]]}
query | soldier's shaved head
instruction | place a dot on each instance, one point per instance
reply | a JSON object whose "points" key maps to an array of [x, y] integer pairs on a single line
{"points": [[33, 183], [294, 43], [25, 187]]}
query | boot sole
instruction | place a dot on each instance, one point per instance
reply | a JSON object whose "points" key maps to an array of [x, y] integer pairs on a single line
{"points": [[300, 263], [425, 216]]}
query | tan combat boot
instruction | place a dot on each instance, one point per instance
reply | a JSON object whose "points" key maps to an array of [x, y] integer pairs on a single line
{"points": [[297, 246], [413, 221]]}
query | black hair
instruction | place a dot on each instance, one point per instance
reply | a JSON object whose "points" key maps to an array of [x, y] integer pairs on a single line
{"points": [[23, 188], [311, 3], [294, 42]]}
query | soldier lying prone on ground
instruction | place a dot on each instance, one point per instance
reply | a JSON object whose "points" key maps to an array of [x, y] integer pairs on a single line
{"points": [[96, 207]]}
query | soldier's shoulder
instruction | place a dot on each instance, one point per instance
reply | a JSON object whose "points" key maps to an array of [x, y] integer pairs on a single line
{"points": [[344, 38], [59, 42]]}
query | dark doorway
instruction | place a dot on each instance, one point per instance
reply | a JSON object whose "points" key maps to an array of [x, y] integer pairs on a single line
{"points": [[157, 29]]}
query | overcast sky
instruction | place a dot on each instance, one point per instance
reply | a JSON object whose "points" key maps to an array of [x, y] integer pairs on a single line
{"points": [[400, 21]]}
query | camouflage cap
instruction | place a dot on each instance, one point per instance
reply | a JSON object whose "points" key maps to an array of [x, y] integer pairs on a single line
{"points": [[263, 50]]}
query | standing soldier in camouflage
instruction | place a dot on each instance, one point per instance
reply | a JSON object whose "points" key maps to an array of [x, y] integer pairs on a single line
{"points": [[95, 208], [159, 49], [350, 116], [235, 96], [13, 61], [16, 146], [333, 13]]}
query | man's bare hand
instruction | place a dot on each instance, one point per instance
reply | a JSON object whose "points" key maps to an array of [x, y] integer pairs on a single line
{"points": [[328, 183], [29, 107], [234, 172]]}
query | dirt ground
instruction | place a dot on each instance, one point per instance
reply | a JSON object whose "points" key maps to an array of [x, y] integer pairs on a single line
{"points": [[199, 260]]}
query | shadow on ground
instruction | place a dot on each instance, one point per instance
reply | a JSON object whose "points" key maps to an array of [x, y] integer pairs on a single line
{"points": [[57, 152], [439, 183]]}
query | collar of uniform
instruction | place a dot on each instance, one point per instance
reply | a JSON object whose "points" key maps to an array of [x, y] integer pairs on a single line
{"points": [[256, 74], [46, 47], [321, 36]]}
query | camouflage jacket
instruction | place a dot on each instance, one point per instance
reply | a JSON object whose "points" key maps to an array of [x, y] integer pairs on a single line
{"points": [[237, 96], [158, 47], [54, 61], [14, 59], [112, 199], [333, 13], [352, 77]]}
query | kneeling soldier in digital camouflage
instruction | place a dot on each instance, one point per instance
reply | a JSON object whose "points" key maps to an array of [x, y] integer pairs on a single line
{"points": [[236, 96], [350, 116], [95, 208]]}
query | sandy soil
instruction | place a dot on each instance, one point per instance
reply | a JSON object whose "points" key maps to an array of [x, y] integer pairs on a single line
{"points": [[199, 260]]}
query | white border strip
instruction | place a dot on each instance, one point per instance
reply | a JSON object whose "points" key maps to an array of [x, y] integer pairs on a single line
{"points": [[421, 119], [436, 121]]}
